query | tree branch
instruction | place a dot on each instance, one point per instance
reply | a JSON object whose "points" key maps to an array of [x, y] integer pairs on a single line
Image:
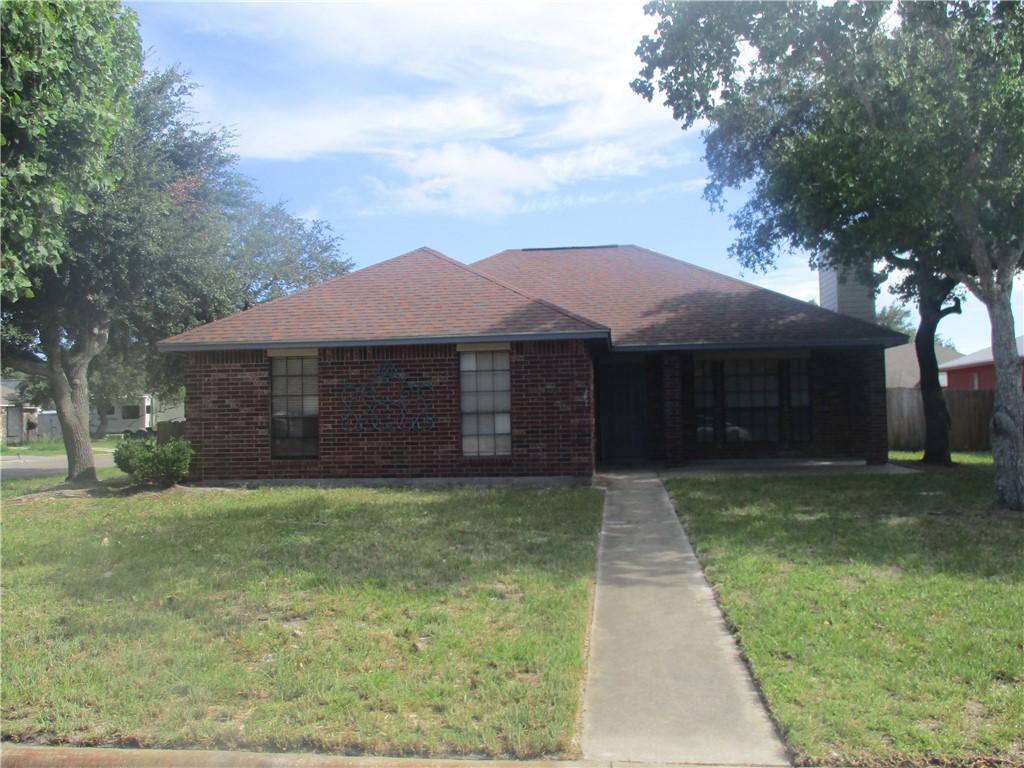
{"points": [[951, 310], [24, 361], [89, 344]]}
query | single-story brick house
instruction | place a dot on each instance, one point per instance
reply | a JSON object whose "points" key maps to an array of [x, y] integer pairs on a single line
{"points": [[535, 362]]}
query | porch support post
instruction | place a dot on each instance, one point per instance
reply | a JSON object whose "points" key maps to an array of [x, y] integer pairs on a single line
{"points": [[673, 410], [876, 437]]}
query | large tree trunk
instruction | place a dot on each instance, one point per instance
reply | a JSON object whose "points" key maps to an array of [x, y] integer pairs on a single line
{"points": [[1007, 425], [995, 268], [936, 415], [71, 398], [67, 371], [66, 368]]}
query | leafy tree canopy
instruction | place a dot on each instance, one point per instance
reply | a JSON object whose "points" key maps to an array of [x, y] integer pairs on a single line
{"points": [[169, 247], [68, 68], [872, 135]]}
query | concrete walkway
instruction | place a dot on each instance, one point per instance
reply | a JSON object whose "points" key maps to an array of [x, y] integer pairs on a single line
{"points": [[666, 683]]}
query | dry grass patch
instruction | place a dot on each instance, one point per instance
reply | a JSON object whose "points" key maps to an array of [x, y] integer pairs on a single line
{"points": [[881, 615], [392, 622]]}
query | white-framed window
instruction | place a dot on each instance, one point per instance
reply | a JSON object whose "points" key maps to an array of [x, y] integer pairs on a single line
{"points": [[294, 408], [486, 402]]}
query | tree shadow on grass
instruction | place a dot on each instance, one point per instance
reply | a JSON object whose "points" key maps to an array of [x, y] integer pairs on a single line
{"points": [[199, 555]]}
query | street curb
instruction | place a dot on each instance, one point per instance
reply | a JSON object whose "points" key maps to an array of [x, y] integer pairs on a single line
{"points": [[23, 756]]}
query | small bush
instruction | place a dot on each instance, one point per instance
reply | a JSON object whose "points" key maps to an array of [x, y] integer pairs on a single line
{"points": [[150, 463], [130, 454]]}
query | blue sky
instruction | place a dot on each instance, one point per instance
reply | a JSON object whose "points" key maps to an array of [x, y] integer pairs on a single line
{"points": [[466, 127]]}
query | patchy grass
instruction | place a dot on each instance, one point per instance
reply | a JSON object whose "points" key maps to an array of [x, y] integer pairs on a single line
{"points": [[972, 458], [54, 446], [881, 615], [110, 479], [42, 446], [391, 622]]}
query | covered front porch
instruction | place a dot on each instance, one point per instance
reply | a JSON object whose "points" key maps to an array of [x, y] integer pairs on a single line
{"points": [[674, 407]]}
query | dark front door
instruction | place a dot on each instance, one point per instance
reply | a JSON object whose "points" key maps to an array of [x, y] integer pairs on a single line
{"points": [[622, 415]]}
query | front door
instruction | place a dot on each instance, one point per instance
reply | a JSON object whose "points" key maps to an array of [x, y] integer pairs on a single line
{"points": [[622, 411]]}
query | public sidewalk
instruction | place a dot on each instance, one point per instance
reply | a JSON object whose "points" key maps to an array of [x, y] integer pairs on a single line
{"points": [[666, 683]]}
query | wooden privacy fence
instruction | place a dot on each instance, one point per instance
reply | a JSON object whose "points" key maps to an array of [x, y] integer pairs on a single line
{"points": [[969, 414], [169, 430]]}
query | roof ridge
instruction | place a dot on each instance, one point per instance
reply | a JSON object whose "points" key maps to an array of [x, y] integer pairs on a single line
{"points": [[508, 286]]}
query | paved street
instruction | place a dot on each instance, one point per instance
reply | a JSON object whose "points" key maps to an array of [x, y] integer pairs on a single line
{"points": [[17, 467]]}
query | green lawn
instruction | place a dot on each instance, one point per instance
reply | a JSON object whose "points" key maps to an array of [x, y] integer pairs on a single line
{"points": [[883, 616], [398, 622]]}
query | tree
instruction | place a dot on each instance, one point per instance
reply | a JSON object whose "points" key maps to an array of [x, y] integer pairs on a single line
{"points": [[872, 135], [156, 255], [274, 253], [895, 317], [67, 71]]}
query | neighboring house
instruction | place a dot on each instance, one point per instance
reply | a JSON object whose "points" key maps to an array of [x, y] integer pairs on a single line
{"points": [[537, 362], [16, 416], [977, 370], [902, 370]]}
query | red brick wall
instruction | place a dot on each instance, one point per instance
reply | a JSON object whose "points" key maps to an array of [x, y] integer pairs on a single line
{"points": [[227, 409]]}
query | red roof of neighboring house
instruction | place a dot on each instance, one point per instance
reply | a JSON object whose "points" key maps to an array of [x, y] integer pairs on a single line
{"points": [[630, 296], [652, 300], [981, 357], [420, 297]]}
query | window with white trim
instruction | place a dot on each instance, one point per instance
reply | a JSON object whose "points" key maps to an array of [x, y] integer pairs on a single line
{"points": [[486, 403], [295, 408]]}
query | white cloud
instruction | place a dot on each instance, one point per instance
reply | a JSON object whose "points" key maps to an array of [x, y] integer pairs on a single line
{"points": [[792, 276], [388, 125], [469, 179], [512, 99], [465, 178], [456, 109]]}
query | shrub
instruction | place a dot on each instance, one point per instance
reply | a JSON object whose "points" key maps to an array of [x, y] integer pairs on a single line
{"points": [[148, 462], [130, 454]]}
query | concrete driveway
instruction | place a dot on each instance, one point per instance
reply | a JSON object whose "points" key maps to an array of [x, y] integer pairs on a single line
{"points": [[18, 467]]}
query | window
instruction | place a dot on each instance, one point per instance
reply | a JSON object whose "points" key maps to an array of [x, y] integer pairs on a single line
{"points": [[130, 411], [295, 408], [974, 381], [485, 387], [758, 400], [751, 400], [799, 400], [704, 394]]}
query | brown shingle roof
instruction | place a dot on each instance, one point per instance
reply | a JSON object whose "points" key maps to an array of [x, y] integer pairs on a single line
{"points": [[652, 300], [420, 297], [640, 298]]}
